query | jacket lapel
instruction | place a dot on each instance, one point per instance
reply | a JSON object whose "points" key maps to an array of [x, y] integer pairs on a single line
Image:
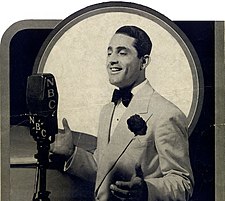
{"points": [[122, 136], [106, 119]]}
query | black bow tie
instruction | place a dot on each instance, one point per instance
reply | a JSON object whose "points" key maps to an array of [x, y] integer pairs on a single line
{"points": [[124, 94]]}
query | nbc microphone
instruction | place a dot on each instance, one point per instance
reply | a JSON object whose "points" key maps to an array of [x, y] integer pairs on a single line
{"points": [[42, 102]]}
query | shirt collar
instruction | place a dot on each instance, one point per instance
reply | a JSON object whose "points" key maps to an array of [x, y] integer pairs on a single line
{"points": [[138, 87], [134, 90]]}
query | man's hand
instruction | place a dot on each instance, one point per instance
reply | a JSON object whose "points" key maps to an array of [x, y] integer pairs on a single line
{"points": [[63, 144], [135, 189]]}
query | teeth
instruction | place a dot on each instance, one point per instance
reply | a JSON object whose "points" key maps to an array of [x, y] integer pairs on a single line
{"points": [[115, 69]]}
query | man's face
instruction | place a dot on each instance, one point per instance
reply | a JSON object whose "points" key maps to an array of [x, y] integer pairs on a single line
{"points": [[123, 65]]}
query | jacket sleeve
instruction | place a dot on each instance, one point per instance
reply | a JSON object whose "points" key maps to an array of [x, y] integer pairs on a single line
{"points": [[171, 142], [82, 164]]}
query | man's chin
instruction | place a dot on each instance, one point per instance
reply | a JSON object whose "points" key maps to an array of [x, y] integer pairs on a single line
{"points": [[114, 82]]}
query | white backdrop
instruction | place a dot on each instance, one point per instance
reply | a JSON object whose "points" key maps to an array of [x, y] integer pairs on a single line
{"points": [[78, 62]]}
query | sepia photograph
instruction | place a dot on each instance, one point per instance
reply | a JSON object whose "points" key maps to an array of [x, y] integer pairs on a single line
{"points": [[114, 102]]}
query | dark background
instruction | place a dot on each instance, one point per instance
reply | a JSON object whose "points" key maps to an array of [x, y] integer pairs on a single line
{"points": [[24, 48]]}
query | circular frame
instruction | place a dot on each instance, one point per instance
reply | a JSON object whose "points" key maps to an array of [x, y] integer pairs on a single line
{"points": [[148, 13]]}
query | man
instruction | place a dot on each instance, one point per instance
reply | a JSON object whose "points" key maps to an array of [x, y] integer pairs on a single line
{"points": [[142, 146]]}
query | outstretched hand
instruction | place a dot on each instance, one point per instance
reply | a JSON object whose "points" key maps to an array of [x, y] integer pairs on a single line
{"points": [[63, 144], [135, 189]]}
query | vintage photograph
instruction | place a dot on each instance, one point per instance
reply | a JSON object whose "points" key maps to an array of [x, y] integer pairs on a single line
{"points": [[115, 102]]}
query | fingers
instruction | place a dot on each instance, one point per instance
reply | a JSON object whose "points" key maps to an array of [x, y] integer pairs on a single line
{"points": [[135, 183], [66, 125], [132, 189], [123, 193], [127, 185], [124, 184], [52, 147], [138, 171], [119, 192]]}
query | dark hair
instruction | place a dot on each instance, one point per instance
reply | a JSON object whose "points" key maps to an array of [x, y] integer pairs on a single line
{"points": [[142, 43]]}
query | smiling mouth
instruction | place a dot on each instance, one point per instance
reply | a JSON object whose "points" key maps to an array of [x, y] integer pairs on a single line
{"points": [[115, 70]]}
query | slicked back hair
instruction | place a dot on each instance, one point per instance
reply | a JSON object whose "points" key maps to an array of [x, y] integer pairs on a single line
{"points": [[142, 43]]}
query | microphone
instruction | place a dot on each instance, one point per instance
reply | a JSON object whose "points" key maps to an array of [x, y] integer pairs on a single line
{"points": [[42, 102]]}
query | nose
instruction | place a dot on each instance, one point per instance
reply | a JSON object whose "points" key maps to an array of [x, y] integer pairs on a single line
{"points": [[112, 59], [113, 62]]}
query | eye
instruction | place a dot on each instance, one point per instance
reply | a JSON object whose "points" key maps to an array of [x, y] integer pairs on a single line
{"points": [[123, 53], [109, 52]]}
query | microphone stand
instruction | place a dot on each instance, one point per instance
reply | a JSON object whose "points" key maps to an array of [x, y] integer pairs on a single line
{"points": [[43, 147]]}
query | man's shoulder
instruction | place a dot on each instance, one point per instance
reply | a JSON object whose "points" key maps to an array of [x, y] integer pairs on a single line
{"points": [[163, 106], [159, 102]]}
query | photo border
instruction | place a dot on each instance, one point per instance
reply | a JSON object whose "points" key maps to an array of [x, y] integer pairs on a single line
{"points": [[4, 126]]}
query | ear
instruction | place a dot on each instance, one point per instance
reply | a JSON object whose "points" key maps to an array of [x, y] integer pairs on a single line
{"points": [[145, 61]]}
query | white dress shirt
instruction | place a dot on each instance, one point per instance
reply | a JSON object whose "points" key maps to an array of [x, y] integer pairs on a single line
{"points": [[120, 108]]}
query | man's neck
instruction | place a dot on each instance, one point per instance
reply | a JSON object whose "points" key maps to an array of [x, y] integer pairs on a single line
{"points": [[133, 85], [136, 88]]}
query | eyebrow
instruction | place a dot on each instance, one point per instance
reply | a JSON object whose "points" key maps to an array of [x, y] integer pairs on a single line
{"points": [[119, 48]]}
